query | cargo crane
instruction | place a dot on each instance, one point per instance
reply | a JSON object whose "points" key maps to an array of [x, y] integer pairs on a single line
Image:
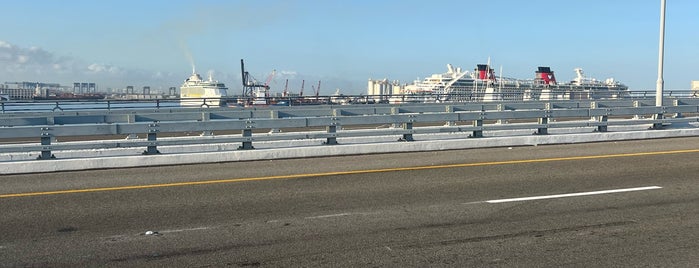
{"points": [[303, 82], [285, 93], [269, 79], [318, 89], [249, 85]]}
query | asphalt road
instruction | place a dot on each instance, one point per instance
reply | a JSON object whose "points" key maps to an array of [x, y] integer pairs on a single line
{"points": [[616, 204]]}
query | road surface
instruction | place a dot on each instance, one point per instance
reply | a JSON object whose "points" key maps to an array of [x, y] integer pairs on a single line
{"points": [[629, 204]]}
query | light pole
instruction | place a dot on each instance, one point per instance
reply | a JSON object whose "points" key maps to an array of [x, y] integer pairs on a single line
{"points": [[661, 49], [660, 82]]}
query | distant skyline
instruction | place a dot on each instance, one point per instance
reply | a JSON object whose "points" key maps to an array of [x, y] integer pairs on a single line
{"points": [[156, 43]]}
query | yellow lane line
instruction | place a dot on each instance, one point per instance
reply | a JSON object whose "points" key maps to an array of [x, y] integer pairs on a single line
{"points": [[334, 173]]}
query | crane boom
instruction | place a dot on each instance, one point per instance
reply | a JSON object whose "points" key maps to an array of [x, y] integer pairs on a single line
{"points": [[242, 73], [270, 77], [447, 88], [318, 89]]}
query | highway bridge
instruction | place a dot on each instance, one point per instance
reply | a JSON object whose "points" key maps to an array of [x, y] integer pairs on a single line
{"points": [[610, 204]]}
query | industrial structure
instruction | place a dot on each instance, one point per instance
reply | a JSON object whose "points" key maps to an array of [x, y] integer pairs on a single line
{"points": [[82, 87], [382, 90], [40, 90]]}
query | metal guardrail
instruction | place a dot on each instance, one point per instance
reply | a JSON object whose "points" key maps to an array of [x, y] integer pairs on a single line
{"points": [[337, 121], [23, 106]]}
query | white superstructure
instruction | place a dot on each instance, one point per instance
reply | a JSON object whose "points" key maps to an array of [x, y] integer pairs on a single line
{"points": [[198, 92], [482, 84]]}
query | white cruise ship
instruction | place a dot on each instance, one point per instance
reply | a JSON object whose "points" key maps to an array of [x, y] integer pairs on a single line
{"points": [[483, 85], [202, 93]]}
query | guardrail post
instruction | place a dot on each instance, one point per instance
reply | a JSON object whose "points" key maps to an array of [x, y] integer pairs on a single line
{"points": [[274, 114], [544, 120], [45, 143], [152, 137], [131, 118], [593, 105], [407, 136], [477, 133], [658, 125], [602, 119], [204, 104], [542, 130], [332, 130], [677, 103], [501, 107], [57, 108], [395, 111], [50, 120], [636, 104], [449, 109], [247, 143], [205, 117]]}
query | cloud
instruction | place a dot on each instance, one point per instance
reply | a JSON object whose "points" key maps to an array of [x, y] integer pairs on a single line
{"points": [[288, 74], [22, 62], [97, 68], [21, 59], [36, 64], [4, 44], [39, 65]]}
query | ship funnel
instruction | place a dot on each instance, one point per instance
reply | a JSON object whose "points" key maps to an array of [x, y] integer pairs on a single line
{"points": [[545, 76], [485, 72]]}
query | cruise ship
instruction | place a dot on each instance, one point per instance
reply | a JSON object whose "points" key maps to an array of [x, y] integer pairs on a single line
{"points": [[202, 93], [482, 84]]}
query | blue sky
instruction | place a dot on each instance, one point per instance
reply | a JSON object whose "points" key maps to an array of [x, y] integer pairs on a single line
{"points": [[342, 43]]}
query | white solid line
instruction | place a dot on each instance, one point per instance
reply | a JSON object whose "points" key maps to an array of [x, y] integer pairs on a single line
{"points": [[184, 230], [329, 216], [572, 194]]}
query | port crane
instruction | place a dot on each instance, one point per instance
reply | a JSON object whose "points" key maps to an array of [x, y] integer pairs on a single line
{"points": [[249, 82], [269, 79], [318, 89]]}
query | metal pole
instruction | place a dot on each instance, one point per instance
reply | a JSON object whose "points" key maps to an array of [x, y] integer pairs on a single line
{"points": [[661, 49]]}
